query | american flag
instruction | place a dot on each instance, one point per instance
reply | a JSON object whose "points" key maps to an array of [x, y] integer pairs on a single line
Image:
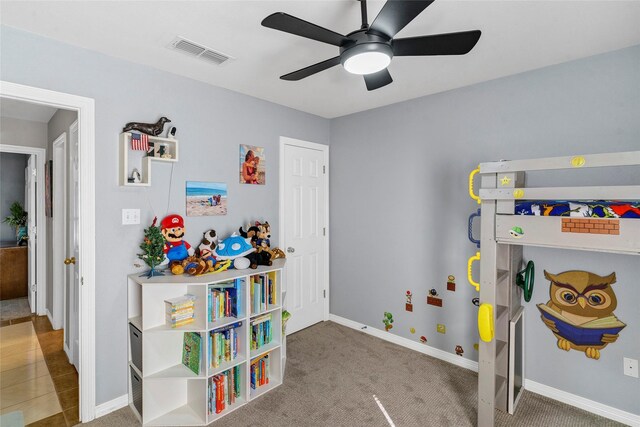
{"points": [[139, 142]]}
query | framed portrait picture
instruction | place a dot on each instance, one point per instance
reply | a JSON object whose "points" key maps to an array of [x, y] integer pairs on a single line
{"points": [[206, 198], [252, 165]]}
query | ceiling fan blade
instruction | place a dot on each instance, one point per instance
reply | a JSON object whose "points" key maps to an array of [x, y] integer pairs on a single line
{"points": [[311, 69], [438, 44], [377, 80], [290, 24], [396, 14]]}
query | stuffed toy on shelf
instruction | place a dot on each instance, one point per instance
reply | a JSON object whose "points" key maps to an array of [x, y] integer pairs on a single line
{"points": [[236, 249], [206, 248], [260, 236], [176, 249]]}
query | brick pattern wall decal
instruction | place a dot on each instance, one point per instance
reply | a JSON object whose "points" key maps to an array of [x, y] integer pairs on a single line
{"points": [[591, 226]]}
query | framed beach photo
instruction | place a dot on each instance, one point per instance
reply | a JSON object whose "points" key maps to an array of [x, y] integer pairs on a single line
{"points": [[252, 165], [206, 198]]}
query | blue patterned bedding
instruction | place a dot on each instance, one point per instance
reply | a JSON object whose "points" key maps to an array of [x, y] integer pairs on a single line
{"points": [[591, 209]]}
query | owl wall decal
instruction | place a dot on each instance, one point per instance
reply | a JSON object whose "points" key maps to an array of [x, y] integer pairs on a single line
{"points": [[580, 311]]}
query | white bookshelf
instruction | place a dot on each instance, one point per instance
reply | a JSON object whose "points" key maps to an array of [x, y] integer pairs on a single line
{"points": [[172, 394], [140, 160]]}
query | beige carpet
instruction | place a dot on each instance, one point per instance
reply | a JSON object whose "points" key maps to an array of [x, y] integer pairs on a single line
{"points": [[333, 372]]}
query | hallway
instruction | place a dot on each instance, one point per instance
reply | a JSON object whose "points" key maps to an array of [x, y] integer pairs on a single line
{"points": [[38, 384]]}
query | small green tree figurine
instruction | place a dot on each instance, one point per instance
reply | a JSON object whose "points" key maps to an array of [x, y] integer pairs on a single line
{"points": [[152, 249]]}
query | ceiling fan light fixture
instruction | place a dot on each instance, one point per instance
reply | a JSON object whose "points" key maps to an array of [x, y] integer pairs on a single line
{"points": [[366, 58], [367, 63]]}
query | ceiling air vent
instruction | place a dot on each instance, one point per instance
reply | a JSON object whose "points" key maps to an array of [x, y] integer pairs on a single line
{"points": [[193, 49]]}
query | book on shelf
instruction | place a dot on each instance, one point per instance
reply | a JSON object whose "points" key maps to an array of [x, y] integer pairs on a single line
{"points": [[260, 372], [222, 300], [224, 389], [261, 331], [180, 311], [224, 344], [191, 351], [263, 292]]}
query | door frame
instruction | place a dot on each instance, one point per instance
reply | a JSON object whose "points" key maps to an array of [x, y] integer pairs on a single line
{"points": [[85, 108], [41, 224], [58, 231], [325, 152]]}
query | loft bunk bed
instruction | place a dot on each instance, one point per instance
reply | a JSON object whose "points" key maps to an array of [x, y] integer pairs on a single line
{"points": [[597, 218]]}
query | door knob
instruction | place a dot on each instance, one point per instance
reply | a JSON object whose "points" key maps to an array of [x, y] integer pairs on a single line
{"points": [[290, 250], [71, 260]]}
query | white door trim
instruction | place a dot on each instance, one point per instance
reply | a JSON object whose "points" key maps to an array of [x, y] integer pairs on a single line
{"points": [[325, 151], [86, 262], [41, 230], [58, 232]]}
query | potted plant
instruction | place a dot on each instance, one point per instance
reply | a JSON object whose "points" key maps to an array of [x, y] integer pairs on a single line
{"points": [[18, 220]]}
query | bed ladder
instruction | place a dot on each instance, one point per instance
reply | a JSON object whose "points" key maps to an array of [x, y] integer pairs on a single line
{"points": [[500, 299]]}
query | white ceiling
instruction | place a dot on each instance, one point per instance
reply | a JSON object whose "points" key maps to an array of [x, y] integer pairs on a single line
{"points": [[26, 110], [516, 36]]}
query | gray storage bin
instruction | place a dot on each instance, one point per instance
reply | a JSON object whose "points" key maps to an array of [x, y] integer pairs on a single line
{"points": [[136, 390], [135, 337]]}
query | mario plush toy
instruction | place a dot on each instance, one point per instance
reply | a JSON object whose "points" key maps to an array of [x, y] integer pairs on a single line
{"points": [[175, 249]]}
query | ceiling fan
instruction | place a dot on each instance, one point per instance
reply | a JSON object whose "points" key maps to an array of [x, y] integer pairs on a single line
{"points": [[368, 50]]}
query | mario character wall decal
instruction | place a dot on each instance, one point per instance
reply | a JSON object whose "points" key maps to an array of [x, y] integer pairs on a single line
{"points": [[580, 311], [175, 248], [423, 339], [516, 232], [433, 298], [451, 283], [459, 350], [408, 306], [387, 320]]}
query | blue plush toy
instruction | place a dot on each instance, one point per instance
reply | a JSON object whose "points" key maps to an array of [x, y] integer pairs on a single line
{"points": [[235, 248]]}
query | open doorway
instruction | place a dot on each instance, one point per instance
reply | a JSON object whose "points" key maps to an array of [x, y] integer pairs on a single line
{"points": [[22, 232], [16, 300], [62, 330]]}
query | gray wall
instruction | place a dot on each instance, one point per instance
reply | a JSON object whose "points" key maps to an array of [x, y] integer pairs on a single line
{"points": [[211, 123], [22, 132], [390, 163], [11, 190], [403, 169], [58, 124]]}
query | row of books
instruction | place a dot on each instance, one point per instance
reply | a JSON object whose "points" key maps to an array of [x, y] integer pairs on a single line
{"points": [[224, 344], [263, 293], [261, 331], [180, 311], [260, 372], [224, 389], [223, 300]]}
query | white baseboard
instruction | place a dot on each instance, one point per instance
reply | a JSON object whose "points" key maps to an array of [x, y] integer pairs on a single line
{"points": [[583, 403], [405, 342], [112, 405], [532, 386]]}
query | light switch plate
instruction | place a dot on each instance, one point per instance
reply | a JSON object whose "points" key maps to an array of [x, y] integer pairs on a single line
{"points": [[130, 216], [631, 367]]}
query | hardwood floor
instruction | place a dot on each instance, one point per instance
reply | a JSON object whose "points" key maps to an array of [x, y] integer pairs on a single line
{"points": [[36, 377]]}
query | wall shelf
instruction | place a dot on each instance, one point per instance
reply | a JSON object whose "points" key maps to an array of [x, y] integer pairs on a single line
{"points": [[142, 160]]}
